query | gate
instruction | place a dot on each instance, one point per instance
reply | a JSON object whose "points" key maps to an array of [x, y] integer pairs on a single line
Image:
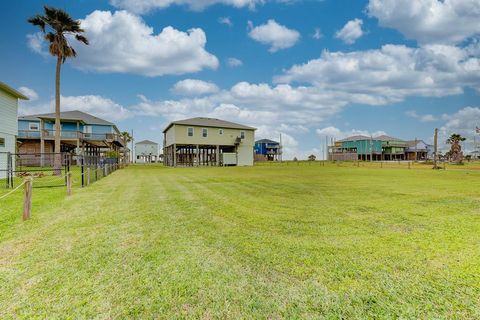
{"points": [[41, 166]]}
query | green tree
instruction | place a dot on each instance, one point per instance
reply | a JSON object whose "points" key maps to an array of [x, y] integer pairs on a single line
{"points": [[57, 26], [455, 138], [127, 138]]}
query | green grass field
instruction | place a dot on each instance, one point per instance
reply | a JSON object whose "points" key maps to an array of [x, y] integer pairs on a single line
{"points": [[267, 242]]}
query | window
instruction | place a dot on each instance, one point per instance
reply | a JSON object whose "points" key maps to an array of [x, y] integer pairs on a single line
{"points": [[33, 126], [190, 132], [204, 132], [220, 132], [242, 134], [2, 142]]}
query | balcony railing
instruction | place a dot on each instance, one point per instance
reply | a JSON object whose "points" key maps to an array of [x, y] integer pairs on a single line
{"points": [[65, 134], [29, 134]]}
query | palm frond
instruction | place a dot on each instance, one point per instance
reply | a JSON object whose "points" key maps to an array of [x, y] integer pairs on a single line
{"points": [[39, 21], [81, 38]]}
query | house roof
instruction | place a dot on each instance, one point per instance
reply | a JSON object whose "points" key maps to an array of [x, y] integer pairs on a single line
{"points": [[266, 141], [412, 143], [12, 91], [146, 142], [355, 138], [209, 122], [388, 138], [69, 115]]}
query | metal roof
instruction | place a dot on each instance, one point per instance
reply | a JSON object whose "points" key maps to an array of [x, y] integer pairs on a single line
{"points": [[209, 122], [388, 138], [356, 138], [146, 142], [266, 141], [69, 115], [12, 91]]}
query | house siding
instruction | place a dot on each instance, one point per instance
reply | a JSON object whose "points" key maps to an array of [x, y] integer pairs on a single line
{"points": [[8, 127], [8, 114], [146, 149], [180, 136]]}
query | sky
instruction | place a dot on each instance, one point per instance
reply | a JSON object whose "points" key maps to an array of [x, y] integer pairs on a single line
{"points": [[305, 69]]}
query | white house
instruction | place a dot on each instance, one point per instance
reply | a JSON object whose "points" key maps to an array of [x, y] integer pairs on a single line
{"points": [[8, 123], [146, 151]]}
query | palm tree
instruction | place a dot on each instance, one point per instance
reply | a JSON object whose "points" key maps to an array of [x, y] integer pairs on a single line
{"points": [[127, 138], [455, 138], [57, 24], [455, 154]]}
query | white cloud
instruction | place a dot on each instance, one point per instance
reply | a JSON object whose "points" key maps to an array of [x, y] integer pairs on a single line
{"points": [[462, 122], [429, 21], [30, 93], [193, 87], [277, 36], [391, 73], [422, 117], [337, 134], [37, 44], [317, 34], [122, 42], [351, 31], [144, 6], [234, 62], [225, 20], [99, 106]]}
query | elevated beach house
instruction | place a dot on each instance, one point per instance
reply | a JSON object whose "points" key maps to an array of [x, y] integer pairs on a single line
{"points": [[267, 150], [8, 124], [208, 142], [81, 133], [146, 151]]}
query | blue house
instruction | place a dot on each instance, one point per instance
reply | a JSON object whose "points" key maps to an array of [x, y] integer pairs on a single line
{"points": [[81, 133], [267, 150]]}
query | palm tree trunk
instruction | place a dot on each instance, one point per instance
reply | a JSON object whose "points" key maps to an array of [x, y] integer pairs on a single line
{"points": [[57, 165]]}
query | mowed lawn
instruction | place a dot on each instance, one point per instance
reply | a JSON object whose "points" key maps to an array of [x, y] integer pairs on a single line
{"points": [[267, 242]]}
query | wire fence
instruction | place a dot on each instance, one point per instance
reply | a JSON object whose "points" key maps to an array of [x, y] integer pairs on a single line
{"points": [[50, 169], [20, 173], [467, 165]]}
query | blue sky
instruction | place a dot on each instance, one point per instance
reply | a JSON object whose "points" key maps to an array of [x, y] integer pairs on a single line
{"points": [[304, 68]]}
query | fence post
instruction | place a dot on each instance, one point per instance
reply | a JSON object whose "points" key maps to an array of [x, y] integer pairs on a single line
{"points": [[69, 183], [83, 171], [27, 200], [88, 176]]}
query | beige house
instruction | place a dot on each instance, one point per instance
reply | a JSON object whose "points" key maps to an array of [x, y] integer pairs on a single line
{"points": [[208, 142]]}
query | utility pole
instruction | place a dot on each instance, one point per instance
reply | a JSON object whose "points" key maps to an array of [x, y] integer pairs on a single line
{"points": [[131, 151], [371, 148], [416, 158], [281, 148], [326, 148], [435, 149]]}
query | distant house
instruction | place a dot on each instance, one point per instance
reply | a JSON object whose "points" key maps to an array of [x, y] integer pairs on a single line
{"points": [[357, 147], [8, 123], [207, 142], [418, 150], [81, 133], [393, 148], [366, 148], [146, 151], [267, 150]]}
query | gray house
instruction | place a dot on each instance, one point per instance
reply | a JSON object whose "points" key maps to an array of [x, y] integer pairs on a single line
{"points": [[8, 123], [146, 151]]}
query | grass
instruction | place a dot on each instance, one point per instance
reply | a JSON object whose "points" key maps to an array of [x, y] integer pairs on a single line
{"points": [[298, 241]]}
